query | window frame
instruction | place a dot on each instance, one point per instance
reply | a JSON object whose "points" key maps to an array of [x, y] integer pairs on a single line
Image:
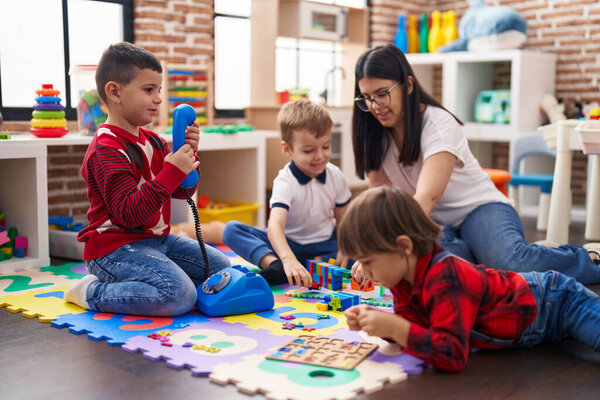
{"points": [[223, 112], [24, 113]]}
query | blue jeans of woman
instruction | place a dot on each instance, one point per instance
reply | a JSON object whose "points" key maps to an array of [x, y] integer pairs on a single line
{"points": [[156, 276], [492, 235], [252, 244]]}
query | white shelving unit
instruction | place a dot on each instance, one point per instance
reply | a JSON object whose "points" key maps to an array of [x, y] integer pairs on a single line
{"points": [[24, 201], [465, 74]]}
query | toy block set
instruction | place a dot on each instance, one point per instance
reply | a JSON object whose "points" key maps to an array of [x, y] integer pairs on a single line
{"points": [[326, 275], [338, 301], [11, 245]]}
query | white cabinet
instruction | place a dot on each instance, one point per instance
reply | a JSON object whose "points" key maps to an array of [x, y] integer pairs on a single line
{"points": [[341, 145], [24, 200], [465, 74]]}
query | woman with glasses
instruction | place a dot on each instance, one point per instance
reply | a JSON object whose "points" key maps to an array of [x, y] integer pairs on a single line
{"points": [[404, 137]]}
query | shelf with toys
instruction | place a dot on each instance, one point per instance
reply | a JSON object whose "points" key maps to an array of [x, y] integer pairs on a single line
{"points": [[190, 84], [24, 202], [524, 76]]}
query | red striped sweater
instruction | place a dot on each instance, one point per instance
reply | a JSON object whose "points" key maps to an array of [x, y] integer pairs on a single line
{"points": [[129, 189]]}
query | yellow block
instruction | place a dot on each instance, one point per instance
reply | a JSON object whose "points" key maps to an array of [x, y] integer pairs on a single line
{"points": [[48, 123]]}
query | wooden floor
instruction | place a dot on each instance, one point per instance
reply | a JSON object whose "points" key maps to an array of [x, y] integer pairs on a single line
{"points": [[38, 361]]}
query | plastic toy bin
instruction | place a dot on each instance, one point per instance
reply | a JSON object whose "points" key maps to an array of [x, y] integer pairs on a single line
{"points": [[239, 211], [589, 131]]}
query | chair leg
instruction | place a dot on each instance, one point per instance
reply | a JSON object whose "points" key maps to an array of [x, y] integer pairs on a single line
{"points": [[543, 212], [513, 193]]}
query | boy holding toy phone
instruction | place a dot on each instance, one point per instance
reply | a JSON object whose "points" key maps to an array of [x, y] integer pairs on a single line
{"points": [[135, 265]]}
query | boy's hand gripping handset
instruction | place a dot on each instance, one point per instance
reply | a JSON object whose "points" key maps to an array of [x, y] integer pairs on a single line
{"points": [[183, 116]]}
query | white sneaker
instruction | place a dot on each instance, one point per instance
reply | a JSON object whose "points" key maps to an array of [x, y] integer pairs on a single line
{"points": [[593, 249], [546, 243]]}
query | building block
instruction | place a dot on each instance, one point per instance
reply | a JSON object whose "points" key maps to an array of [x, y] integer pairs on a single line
{"points": [[21, 242], [340, 301]]}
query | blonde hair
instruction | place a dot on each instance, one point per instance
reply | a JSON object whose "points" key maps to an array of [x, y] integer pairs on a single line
{"points": [[303, 114], [378, 216]]}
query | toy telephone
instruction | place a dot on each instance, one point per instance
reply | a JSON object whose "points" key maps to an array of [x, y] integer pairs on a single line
{"points": [[234, 290], [183, 116]]}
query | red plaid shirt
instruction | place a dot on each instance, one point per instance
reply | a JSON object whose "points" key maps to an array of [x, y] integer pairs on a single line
{"points": [[451, 298]]}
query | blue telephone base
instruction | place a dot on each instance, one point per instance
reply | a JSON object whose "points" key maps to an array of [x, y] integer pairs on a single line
{"points": [[234, 291]]}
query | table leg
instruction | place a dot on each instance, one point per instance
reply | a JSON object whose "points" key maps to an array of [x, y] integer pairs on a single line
{"points": [[592, 223], [560, 200]]}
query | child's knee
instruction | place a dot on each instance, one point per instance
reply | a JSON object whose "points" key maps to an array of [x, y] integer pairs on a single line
{"points": [[180, 300], [232, 230]]}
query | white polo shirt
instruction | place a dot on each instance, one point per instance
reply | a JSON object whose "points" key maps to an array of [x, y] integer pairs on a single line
{"points": [[469, 186], [310, 201]]}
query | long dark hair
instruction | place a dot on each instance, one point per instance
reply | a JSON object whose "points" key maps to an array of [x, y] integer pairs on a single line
{"points": [[369, 138]]}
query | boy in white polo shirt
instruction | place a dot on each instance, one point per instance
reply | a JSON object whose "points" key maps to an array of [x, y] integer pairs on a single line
{"points": [[309, 196]]}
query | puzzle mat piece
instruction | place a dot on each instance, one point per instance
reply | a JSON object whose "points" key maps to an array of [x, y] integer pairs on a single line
{"points": [[21, 282], [284, 380], [305, 312], [47, 304], [233, 341], [117, 328], [323, 351], [73, 270]]}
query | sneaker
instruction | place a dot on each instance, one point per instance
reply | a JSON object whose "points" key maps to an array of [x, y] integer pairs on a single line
{"points": [[593, 250], [546, 243]]}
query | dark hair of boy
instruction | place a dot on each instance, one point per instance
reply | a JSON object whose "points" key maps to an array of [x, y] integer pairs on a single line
{"points": [[376, 217], [119, 62]]}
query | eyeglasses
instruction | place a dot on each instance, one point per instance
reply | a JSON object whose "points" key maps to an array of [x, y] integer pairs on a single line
{"points": [[382, 99]]}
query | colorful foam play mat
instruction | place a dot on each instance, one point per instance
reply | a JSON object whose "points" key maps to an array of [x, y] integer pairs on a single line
{"points": [[230, 349]]}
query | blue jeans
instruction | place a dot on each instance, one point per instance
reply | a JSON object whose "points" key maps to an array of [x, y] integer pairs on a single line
{"points": [[252, 244], [492, 235], [156, 276], [566, 309]]}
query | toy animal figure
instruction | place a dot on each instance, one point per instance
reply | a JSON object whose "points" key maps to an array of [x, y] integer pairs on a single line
{"points": [[502, 24]]}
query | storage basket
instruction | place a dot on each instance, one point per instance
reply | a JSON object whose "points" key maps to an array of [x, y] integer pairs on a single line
{"points": [[235, 210]]}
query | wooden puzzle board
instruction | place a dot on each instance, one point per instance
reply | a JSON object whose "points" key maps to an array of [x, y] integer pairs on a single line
{"points": [[323, 351]]}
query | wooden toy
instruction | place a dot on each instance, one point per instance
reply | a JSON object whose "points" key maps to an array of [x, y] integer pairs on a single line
{"points": [[324, 351]]}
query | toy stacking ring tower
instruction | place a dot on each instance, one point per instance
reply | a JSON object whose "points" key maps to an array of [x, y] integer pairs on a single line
{"points": [[48, 114]]}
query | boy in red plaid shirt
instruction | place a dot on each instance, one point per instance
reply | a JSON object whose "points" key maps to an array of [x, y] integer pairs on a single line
{"points": [[443, 304]]}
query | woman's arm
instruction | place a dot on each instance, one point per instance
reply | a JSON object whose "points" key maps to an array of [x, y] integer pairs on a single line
{"points": [[433, 179]]}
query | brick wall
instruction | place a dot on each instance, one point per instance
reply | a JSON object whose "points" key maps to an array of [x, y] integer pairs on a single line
{"points": [[568, 28], [176, 31]]}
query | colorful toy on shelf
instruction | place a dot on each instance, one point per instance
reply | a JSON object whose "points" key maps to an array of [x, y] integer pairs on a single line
{"points": [[401, 39], [436, 36], [493, 106], [91, 112], [228, 129], [189, 87], [424, 35], [413, 35], [449, 26], [11, 245], [48, 114], [233, 291]]}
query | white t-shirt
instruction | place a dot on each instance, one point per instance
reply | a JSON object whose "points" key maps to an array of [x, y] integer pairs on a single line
{"points": [[310, 201], [469, 186]]}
